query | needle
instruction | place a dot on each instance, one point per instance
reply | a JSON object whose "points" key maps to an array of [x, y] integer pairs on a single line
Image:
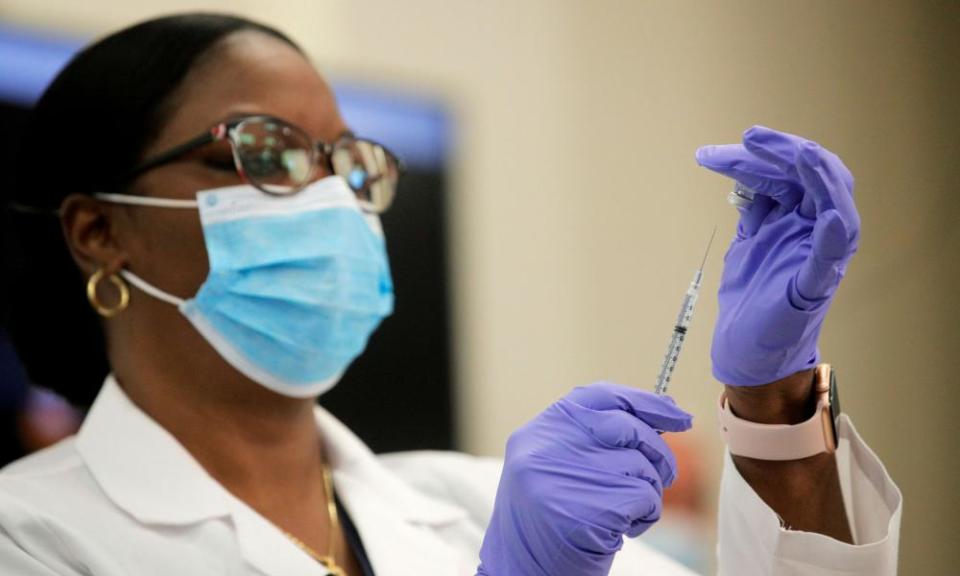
{"points": [[709, 244]]}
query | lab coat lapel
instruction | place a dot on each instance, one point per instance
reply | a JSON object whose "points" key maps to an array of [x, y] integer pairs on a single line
{"points": [[394, 545], [398, 525]]}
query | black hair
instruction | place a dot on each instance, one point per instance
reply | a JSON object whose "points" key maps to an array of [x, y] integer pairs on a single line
{"points": [[90, 127]]}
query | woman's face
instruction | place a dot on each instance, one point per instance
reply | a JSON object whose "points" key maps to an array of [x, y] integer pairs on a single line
{"points": [[247, 73]]}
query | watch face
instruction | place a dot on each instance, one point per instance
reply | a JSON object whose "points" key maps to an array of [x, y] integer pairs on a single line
{"points": [[834, 404]]}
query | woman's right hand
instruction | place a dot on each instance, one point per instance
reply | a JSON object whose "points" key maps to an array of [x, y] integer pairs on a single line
{"points": [[588, 470]]}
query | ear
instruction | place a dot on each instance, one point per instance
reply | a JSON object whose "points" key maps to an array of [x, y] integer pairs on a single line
{"points": [[90, 229]]}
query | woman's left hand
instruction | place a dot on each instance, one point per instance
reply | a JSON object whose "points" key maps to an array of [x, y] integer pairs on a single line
{"points": [[788, 257]]}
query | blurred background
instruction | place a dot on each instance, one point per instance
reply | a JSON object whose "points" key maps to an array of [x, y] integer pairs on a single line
{"points": [[555, 212]]}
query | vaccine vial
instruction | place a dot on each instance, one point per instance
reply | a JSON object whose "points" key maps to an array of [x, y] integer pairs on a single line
{"points": [[741, 196]]}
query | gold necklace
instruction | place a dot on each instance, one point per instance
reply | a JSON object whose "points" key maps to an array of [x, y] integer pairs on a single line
{"points": [[329, 561]]}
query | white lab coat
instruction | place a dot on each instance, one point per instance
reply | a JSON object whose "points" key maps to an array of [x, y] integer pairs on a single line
{"points": [[124, 497]]}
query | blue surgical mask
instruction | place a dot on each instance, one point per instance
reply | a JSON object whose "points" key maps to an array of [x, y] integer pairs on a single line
{"points": [[296, 286]]}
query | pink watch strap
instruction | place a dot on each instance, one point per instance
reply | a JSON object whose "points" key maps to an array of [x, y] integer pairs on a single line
{"points": [[775, 441]]}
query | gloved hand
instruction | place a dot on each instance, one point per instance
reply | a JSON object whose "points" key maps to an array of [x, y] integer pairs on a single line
{"points": [[790, 253], [576, 478]]}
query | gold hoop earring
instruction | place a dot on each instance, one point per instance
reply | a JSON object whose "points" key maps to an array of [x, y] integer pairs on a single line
{"points": [[95, 300]]}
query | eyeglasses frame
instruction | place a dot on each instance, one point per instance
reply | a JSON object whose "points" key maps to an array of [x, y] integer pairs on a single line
{"points": [[226, 131]]}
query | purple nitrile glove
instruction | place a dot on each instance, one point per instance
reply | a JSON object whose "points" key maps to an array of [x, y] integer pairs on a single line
{"points": [[790, 253], [588, 470]]}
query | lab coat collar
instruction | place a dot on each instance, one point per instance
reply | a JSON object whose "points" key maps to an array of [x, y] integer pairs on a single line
{"points": [[142, 468], [124, 449]]}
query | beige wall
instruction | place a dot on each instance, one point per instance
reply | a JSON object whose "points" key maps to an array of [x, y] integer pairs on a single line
{"points": [[579, 213]]}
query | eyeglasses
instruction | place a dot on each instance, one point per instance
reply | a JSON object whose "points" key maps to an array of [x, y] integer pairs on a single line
{"points": [[281, 159]]}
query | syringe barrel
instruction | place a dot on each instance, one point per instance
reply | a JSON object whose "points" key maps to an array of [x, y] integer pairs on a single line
{"points": [[679, 334], [686, 310], [670, 361]]}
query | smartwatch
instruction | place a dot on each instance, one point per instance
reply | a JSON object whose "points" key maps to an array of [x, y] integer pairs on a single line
{"points": [[787, 441]]}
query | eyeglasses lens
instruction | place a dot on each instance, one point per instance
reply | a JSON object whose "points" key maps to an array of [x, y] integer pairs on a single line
{"points": [[277, 158], [370, 170]]}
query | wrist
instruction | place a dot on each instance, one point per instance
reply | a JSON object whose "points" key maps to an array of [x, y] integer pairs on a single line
{"points": [[789, 400]]}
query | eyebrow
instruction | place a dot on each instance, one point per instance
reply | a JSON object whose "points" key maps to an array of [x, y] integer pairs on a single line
{"points": [[238, 113]]}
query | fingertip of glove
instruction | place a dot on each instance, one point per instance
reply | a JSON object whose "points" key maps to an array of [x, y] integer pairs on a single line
{"points": [[701, 154], [810, 154], [715, 157], [666, 398], [751, 132], [686, 423], [832, 220], [756, 132], [678, 422]]}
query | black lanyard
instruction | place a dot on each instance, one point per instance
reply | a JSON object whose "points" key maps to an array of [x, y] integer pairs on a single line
{"points": [[353, 539]]}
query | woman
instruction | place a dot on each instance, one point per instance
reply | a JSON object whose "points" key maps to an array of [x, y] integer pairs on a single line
{"points": [[238, 268]]}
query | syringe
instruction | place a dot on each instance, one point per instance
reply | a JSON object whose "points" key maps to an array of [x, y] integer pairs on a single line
{"points": [[683, 323]]}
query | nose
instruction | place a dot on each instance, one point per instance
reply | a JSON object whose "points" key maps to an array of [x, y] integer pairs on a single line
{"points": [[321, 169]]}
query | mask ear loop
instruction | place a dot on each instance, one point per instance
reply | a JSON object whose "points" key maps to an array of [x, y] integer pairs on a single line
{"points": [[151, 290], [146, 200]]}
